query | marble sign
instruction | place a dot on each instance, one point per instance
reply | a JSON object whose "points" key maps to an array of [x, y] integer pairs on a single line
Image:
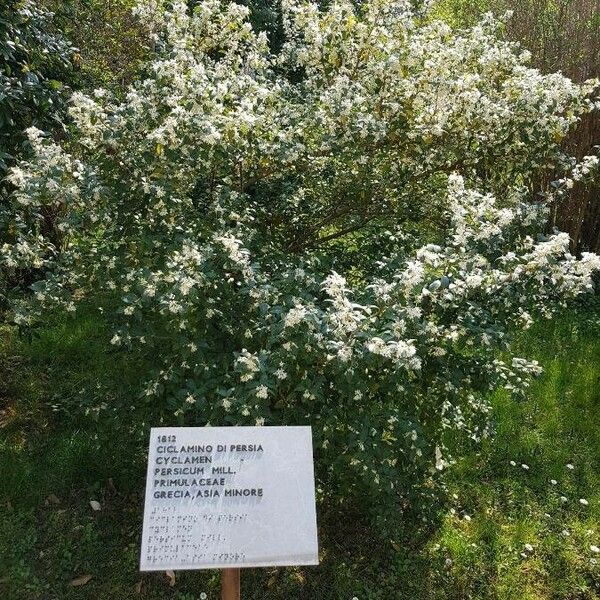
{"points": [[219, 497]]}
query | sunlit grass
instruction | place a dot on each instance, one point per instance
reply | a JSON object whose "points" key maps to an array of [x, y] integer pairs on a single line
{"points": [[555, 433]]}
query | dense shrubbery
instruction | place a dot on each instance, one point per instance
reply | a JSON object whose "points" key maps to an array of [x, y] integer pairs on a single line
{"points": [[337, 234], [35, 59], [562, 35], [33, 62]]}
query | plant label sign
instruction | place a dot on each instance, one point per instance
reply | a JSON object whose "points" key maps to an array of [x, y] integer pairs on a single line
{"points": [[228, 497]]}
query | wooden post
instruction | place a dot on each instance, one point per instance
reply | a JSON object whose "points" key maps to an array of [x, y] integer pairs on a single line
{"points": [[230, 584]]}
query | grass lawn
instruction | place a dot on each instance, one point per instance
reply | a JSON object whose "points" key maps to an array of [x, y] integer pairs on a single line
{"points": [[514, 528]]}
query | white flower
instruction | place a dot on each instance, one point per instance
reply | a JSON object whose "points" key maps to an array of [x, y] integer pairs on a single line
{"points": [[262, 392], [249, 363], [151, 389], [570, 467], [294, 316], [526, 467], [583, 502], [187, 283], [190, 399], [594, 549]]}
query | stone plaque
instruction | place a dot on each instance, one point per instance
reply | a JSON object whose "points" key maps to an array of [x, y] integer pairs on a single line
{"points": [[223, 497]]}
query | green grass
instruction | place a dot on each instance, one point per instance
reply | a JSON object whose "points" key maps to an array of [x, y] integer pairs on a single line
{"points": [[72, 429], [510, 506]]}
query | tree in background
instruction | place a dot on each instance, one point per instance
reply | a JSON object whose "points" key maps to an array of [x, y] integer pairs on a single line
{"points": [[113, 46], [35, 59]]}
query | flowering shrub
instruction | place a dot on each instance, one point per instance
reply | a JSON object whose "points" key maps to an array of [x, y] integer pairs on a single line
{"points": [[340, 234]]}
